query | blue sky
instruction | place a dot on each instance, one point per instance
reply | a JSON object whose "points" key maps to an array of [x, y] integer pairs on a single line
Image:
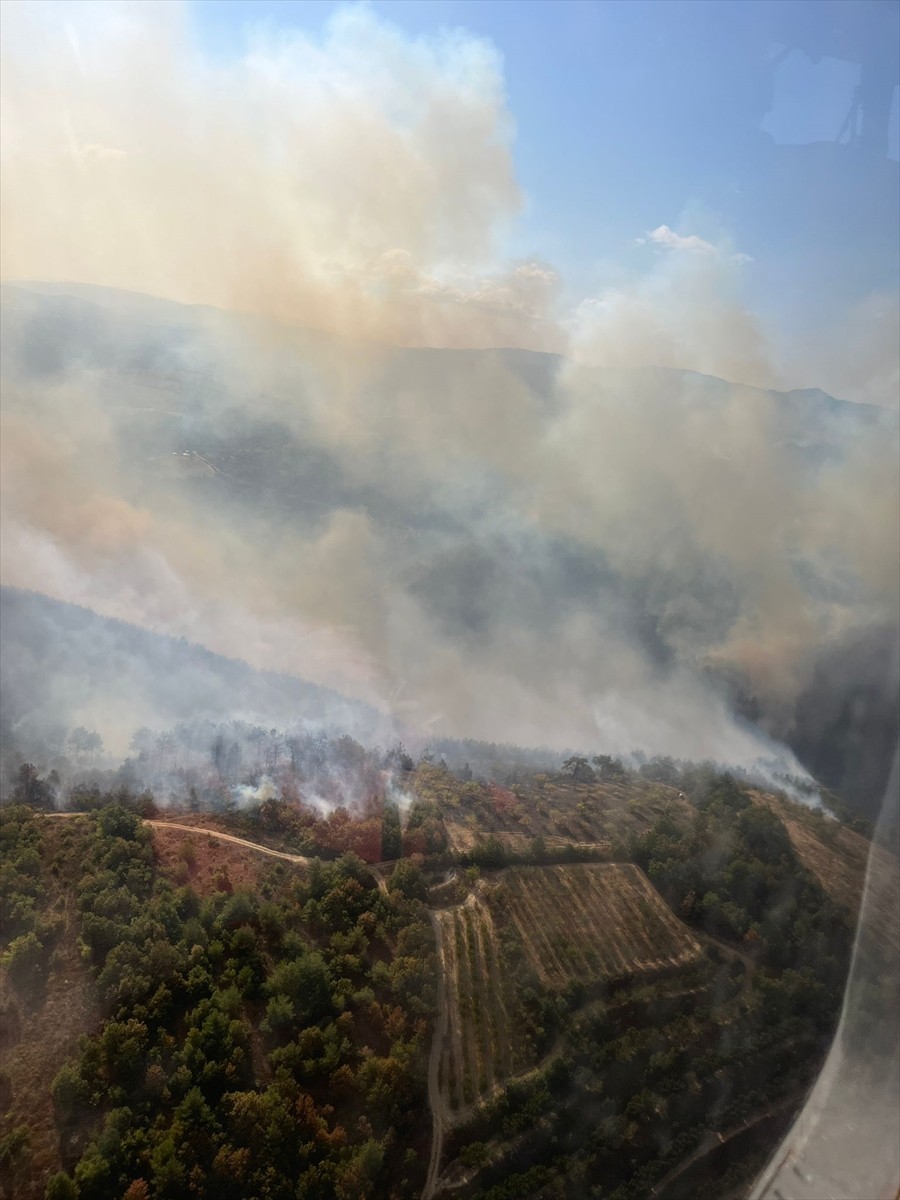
{"points": [[718, 119]]}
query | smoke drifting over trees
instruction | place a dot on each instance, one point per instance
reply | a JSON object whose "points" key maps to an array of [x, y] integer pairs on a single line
{"points": [[608, 546]]}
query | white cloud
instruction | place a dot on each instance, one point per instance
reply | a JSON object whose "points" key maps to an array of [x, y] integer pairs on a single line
{"points": [[664, 236], [690, 243]]}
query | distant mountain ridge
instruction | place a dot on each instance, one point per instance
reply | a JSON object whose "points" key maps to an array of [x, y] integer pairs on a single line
{"points": [[67, 304], [225, 417], [61, 664]]}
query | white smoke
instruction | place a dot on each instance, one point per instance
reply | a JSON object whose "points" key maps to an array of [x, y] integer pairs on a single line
{"points": [[245, 794], [556, 559]]}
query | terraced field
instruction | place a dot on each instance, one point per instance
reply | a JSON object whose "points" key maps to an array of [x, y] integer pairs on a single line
{"points": [[476, 1055], [839, 859], [590, 923]]}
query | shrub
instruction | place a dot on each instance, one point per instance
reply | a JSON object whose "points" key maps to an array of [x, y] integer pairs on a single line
{"points": [[13, 1147], [69, 1089], [24, 958], [61, 1187]]}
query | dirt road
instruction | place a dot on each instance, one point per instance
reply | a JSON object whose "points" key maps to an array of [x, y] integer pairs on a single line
{"points": [[299, 859], [438, 1115], [201, 830]]}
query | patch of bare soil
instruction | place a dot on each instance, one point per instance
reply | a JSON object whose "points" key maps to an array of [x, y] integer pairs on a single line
{"points": [[205, 863]]}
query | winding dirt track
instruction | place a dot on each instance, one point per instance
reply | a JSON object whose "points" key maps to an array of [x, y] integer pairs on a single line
{"points": [[299, 859], [715, 1138], [435, 1099]]}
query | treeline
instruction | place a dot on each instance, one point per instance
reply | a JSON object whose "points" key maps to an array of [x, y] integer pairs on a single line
{"points": [[491, 853], [216, 766], [271, 1044], [388, 825], [28, 931]]}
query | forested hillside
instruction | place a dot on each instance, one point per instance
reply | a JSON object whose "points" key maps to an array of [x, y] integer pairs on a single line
{"points": [[265, 1043], [235, 1004]]}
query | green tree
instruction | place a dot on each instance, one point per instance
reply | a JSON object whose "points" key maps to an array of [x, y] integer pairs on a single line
{"points": [[281, 1016], [169, 1173], [61, 1187], [537, 851], [306, 982], [69, 1089], [14, 1147], [24, 959], [408, 880], [490, 853], [31, 790], [116, 821], [391, 832], [579, 768]]}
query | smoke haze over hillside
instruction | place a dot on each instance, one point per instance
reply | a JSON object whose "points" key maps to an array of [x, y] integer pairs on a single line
{"points": [[609, 545]]}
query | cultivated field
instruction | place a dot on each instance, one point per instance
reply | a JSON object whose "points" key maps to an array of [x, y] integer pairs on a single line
{"points": [[585, 923], [477, 1054], [590, 922]]}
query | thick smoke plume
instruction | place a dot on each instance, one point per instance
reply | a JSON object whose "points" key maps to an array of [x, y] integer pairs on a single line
{"points": [[356, 184], [614, 548]]}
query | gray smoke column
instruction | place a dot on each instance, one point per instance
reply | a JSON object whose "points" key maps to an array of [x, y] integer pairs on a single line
{"points": [[341, 476]]}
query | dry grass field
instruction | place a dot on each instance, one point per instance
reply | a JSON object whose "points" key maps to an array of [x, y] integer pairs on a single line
{"points": [[206, 863]]}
